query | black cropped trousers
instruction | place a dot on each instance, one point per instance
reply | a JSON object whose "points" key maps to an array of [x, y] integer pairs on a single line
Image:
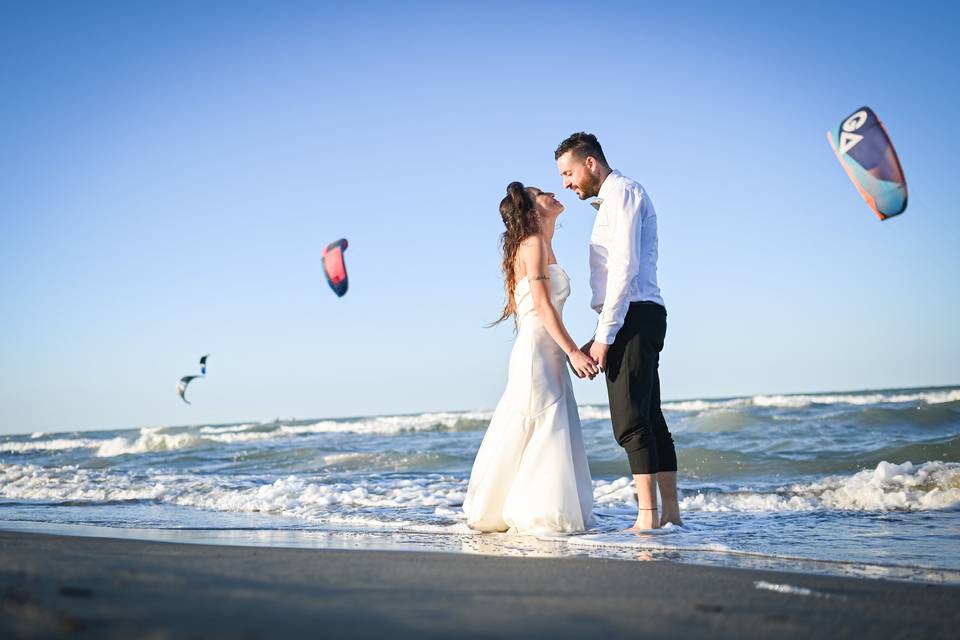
{"points": [[633, 386]]}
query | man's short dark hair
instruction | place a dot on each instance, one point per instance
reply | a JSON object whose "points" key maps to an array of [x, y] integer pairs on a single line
{"points": [[582, 145]]}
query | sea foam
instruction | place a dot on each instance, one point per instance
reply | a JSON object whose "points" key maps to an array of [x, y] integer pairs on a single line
{"points": [[803, 401], [151, 440], [927, 486], [59, 444], [906, 487]]}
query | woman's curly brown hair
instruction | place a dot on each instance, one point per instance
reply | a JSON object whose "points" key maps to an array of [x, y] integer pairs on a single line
{"points": [[520, 218]]}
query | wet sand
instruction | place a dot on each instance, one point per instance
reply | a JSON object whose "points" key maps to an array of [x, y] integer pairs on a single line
{"points": [[59, 586]]}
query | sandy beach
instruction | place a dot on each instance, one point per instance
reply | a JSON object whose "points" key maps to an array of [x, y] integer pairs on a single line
{"points": [[59, 586]]}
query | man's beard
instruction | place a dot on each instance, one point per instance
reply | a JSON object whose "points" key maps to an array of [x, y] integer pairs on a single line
{"points": [[591, 189]]}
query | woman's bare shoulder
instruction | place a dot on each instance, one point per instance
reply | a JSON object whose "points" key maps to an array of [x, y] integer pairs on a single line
{"points": [[533, 242]]}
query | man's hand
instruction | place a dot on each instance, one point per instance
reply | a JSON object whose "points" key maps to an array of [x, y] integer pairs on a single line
{"points": [[598, 351]]}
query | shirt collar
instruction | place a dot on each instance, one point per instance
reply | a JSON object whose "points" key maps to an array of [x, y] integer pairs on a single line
{"points": [[605, 189]]}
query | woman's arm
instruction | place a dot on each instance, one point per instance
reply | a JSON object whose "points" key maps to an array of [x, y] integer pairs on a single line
{"points": [[533, 255]]}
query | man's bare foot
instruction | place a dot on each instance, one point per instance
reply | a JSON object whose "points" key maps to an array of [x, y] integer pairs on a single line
{"points": [[647, 519], [671, 518], [667, 482]]}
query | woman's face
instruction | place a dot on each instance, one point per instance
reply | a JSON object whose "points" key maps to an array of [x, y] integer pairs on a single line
{"points": [[547, 205]]}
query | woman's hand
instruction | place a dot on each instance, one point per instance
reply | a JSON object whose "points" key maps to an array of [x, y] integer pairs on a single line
{"points": [[583, 365]]}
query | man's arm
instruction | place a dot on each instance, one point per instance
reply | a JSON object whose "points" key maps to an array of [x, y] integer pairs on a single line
{"points": [[623, 261]]}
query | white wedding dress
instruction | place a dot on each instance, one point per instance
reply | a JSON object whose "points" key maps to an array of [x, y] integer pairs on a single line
{"points": [[531, 473]]}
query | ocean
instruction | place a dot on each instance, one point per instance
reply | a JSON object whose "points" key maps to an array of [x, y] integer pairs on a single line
{"points": [[862, 483]]}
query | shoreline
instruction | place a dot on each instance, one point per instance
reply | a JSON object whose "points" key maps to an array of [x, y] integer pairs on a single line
{"points": [[63, 586], [495, 545]]}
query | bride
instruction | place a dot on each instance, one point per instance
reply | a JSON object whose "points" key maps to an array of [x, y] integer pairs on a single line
{"points": [[531, 474]]}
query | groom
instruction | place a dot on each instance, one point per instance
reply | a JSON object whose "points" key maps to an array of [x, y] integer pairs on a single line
{"points": [[633, 320]]}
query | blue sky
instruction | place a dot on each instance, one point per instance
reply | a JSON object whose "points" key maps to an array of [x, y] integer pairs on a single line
{"points": [[170, 173]]}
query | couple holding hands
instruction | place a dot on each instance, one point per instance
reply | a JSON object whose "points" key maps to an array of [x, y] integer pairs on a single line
{"points": [[531, 474]]}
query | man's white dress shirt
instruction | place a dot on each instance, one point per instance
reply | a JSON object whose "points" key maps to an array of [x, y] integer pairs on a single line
{"points": [[623, 253]]}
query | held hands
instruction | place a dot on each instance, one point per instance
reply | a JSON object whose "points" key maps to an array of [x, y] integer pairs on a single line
{"points": [[590, 360], [582, 364], [585, 350], [598, 352]]}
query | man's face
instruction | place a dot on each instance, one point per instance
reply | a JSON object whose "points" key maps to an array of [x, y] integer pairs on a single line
{"points": [[579, 174]]}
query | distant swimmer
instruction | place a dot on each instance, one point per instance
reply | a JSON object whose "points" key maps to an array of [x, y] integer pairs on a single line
{"points": [[182, 387]]}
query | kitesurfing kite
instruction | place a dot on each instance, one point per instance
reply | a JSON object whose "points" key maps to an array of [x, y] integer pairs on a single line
{"points": [[182, 387], [185, 380], [334, 267], [864, 150]]}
